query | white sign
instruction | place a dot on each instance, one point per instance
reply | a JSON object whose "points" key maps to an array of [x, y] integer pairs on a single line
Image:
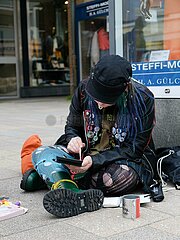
{"points": [[161, 77], [161, 55]]}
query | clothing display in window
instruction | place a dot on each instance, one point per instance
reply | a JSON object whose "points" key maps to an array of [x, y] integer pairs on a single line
{"points": [[99, 45]]}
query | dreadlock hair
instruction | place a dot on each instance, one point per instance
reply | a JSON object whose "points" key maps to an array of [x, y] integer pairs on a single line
{"points": [[131, 108]]}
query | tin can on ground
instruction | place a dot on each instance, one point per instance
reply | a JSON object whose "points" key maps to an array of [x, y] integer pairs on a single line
{"points": [[131, 206]]}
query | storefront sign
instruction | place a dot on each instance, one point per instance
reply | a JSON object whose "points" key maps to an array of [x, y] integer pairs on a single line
{"points": [[92, 9], [163, 77], [97, 9]]}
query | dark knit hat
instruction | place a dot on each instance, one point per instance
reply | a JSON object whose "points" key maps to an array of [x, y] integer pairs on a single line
{"points": [[109, 78]]}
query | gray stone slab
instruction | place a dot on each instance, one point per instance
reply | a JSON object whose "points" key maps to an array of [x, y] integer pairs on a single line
{"points": [[107, 222], [170, 226], [51, 231], [147, 233], [170, 204], [8, 152], [8, 173]]}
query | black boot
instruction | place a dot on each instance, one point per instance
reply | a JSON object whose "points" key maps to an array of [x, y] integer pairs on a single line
{"points": [[65, 198]]}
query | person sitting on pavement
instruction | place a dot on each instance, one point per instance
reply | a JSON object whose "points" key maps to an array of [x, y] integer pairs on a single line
{"points": [[109, 128]]}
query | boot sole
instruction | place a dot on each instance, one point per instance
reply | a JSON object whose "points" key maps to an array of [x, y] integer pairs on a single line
{"points": [[66, 203]]}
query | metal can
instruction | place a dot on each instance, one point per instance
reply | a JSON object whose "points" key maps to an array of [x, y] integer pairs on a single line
{"points": [[131, 206]]}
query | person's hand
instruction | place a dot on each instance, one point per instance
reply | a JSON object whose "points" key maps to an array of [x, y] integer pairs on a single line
{"points": [[86, 164], [75, 144]]}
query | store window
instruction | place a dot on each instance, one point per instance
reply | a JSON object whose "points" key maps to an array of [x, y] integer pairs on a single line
{"points": [[149, 34], [92, 35], [8, 60], [48, 42], [152, 37], [94, 43]]}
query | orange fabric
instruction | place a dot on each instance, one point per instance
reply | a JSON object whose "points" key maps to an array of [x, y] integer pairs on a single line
{"points": [[28, 147], [103, 39], [172, 28]]}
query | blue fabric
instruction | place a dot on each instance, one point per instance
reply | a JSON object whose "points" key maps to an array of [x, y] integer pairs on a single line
{"points": [[43, 159]]}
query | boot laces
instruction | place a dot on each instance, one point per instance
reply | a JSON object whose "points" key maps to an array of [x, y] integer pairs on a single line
{"points": [[58, 184]]}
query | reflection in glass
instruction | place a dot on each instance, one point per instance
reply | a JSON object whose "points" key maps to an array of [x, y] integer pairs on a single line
{"points": [[8, 84], [7, 41], [94, 43], [48, 42], [144, 37]]}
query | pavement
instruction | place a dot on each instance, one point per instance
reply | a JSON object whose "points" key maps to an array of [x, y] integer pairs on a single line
{"points": [[46, 117]]}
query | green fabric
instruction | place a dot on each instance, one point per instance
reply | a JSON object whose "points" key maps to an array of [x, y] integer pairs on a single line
{"points": [[66, 182], [32, 181]]}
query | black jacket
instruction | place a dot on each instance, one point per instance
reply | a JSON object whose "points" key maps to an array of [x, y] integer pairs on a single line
{"points": [[75, 126]]}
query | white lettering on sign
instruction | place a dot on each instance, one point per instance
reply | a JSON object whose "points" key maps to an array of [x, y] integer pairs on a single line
{"points": [[156, 65], [97, 8], [91, 7], [160, 81]]}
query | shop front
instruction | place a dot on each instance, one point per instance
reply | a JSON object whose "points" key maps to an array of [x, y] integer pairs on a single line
{"points": [[35, 57], [149, 37], [92, 34], [9, 72], [34, 51], [47, 49], [145, 32]]}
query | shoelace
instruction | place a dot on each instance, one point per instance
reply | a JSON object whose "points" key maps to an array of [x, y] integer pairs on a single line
{"points": [[159, 167], [58, 184]]}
